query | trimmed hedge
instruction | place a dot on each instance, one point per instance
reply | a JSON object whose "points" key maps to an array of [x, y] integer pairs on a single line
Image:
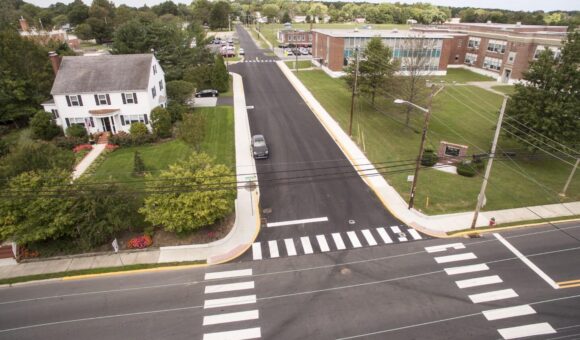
{"points": [[466, 169]]}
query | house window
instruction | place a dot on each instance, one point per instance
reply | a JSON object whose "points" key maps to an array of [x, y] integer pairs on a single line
{"points": [[153, 92], [497, 46], [470, 58], [131, 119], [75, 100], [102, 99], [54, 113], [154, 69], [160, 85], [129, 98], [474, 43], [492, 63], [77, 121]]}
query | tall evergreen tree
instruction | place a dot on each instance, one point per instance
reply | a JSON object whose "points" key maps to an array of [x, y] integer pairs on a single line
{"points": [[220, 76]]}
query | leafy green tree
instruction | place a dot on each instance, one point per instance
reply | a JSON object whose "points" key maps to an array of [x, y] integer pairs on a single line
{"points": [[138, 164], [167, 7], [180, 91], [25, 77], [205, 195], [286, 18], [270, 11], [102, 32], [220, 79], [161, 122], [545, 107], [78, 13], [34, 211], [218, 16], [201, 10], [84, 31], [376, 69], [191, 129], [200, 75], [131, 37], [138, 129], [35, 157], [43, 127], [176, 111]]}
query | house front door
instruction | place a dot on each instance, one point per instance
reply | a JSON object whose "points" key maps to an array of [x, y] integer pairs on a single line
{"points": [[106, 124]]}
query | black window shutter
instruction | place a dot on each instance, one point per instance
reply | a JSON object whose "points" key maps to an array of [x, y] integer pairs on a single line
{"points": [[108, 99], [122, 120], [67, 100], [135, 97], [97, 99], [80, 99], [67, 122], [146, 120], [92, 122], [124, 99]]}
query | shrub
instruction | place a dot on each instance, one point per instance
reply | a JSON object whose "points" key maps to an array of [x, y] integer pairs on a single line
{"points": [[176, 110], [68, 143], [82, 147], [4, 148], [179, 90], [36, 156], [429, 158], [192, 129], [78, 131], [138, 165], [122, 139], [161, 122], [138, 129], [111, 147], [143, 139], [140, 242], [43, 127], [466, 169]]}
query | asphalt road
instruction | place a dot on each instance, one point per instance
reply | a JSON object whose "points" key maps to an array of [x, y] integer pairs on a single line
{"points": [[307, 176], [386, 292]]}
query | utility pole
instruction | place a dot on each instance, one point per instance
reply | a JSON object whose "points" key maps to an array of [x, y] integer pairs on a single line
{"points": [[312, 18], [421, 148], [353, 91], [489, 164], [229, 23], [563, 193]]}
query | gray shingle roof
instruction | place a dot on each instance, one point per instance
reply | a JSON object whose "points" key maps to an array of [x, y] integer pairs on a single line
{"points": [[102, 73]]}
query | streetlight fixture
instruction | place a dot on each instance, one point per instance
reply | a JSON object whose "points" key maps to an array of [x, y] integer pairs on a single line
{"points": [[423, 138]]}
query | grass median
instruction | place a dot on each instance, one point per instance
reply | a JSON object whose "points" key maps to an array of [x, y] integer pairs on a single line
{"points": [[461, 114]]}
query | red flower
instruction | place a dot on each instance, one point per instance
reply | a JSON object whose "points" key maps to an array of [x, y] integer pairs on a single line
{"points": [[139, 242], [82, 147]]}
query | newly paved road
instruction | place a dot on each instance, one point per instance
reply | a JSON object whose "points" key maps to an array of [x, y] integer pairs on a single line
{"points": [[386, 292], [307, 176]]}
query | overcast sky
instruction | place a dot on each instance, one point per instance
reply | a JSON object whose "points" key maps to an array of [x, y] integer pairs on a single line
{"points": [[525, 5]]}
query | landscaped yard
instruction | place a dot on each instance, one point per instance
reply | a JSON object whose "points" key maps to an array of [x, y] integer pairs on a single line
{"points": [[507, 89], [461, 114], [218, 142], [460, 75]]}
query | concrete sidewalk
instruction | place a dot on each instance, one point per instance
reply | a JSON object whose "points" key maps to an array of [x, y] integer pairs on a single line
{"points": [[487, 85], [88, 160], [437, 225], [240, 238]]}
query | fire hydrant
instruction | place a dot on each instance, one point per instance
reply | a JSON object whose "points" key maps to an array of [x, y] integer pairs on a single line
{"points": [[492, 222]]}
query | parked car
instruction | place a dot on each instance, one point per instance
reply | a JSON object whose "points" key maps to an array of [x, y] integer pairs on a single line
{"points": [[241, 51], [207, 93], [304, 51], [289, 53], [259, 147]]}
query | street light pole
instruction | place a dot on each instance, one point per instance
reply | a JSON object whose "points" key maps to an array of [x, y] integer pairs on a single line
{"points": [[489, 163], [421, 148], [353, 91]]}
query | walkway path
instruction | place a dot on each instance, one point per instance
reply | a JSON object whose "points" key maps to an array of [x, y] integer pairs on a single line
{"points": [[88, 160], [487, 85]]}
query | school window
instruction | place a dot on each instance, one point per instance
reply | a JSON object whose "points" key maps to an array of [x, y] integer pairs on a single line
{"points": [[153, 92], [496, 46], [470, 58], [511, 57], [474, 43], [492, 63]]}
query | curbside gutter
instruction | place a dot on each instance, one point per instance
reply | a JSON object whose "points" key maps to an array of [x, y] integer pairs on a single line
{"points": [[436, 225]]}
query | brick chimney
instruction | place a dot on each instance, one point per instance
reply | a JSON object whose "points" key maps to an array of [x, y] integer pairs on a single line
{"points": [[24, 24], [54, 60]]}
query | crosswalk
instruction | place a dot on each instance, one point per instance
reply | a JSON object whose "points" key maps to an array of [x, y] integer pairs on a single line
{"points": [[321, 243], [259, 61], [486, 290], [239, 308]]}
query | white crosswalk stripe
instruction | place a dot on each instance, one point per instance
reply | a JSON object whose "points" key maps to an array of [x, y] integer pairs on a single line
{"points": [[453, 258], [228, 274], [479, 281], [338, 241], [233, 301], [353, 239], [273, 245], [229, 287], [306, 245], [322, 243], [414, 234], [241, 334], [492, 296], [257, 251], [384, 235], [369, 237], [400, 235], [230, 317], [290, 248], [508, 312], [526, 331]]}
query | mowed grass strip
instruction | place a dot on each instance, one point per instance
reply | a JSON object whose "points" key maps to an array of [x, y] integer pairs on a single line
{"points": [[218, 142], [460, 75], [299, 64], [461, 114]]}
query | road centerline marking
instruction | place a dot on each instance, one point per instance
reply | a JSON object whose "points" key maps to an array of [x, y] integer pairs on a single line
{"points": [[527, 261], [294, 222]]}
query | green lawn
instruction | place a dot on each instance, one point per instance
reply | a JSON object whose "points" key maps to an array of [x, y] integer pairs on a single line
{"points": [[507, 89], [300, 64], [461, 75], [218, 142], [461, 114]]}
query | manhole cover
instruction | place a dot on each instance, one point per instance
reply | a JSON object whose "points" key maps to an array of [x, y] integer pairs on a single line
{"points": [[402, 235], [351, 222], [267, 211]]}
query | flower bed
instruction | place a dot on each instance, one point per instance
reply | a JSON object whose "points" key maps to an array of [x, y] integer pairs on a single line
{"points": [[82, 147], [111, 147], [139, 242]]}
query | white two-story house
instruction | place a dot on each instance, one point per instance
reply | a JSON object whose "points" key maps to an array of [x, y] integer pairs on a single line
{"points": [[106, 93]]}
